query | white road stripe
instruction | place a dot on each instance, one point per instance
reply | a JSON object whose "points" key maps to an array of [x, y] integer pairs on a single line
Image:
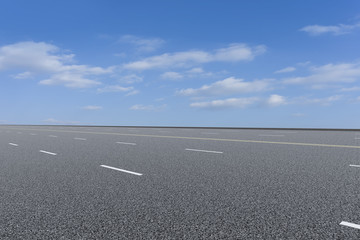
{"points": [[198, 150], [83, 139], [121, 170], [353, 225], [53, 136], [351, 165], [126, 143], [14, 144], [269, 135], [51, 153]]}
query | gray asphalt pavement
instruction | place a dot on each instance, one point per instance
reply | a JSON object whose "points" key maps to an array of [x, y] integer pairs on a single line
{"points": [[60, 182]]}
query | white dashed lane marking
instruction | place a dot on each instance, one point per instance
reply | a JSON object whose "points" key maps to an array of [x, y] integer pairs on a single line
{"points": [[199, 150], [270, 135], [121, 170], [126, 143], [81, 139], [13, 144], [351, 165], [50, 153], [348, 224]]}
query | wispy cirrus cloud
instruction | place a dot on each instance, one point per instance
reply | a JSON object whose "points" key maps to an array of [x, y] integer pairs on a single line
{"points": [[151, 108], [142, 44], [350, 89], [114, 88], [55, 121], [286, 70], [225, 103], [39, 58], [273, 101], [129, 79], [92, 107], [329, 74], [171, 75], [325, 101], [232, 53], [316, 30], [227, 86]]}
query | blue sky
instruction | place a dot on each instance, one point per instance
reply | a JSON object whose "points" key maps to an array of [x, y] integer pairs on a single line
{"points": [[181, 63]]}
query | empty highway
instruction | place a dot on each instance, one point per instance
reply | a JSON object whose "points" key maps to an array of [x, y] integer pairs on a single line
{"points": [[74, 182]]}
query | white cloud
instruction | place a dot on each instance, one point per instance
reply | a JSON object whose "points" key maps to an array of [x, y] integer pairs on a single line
{"points": [[276, 100], [171, 75], [114, 88], [23, 75], [298, 114], [330, 73], [196, 70], [233, 53], [143, 44], [339, 29], [140, 107], [132, 78], [227, 103], [319, 101], [92, 107], [226, 87], [37, 58], [286, 70], [55, 121], [132, 93], [69, 79], [350, 89]]}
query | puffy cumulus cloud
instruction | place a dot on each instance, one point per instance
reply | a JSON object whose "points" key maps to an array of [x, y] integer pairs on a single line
{"points": [[226, 103], [151, 108], [171, 75], [276, 100], [286, 70], [339, 29], [33, 56], [92, 107], [227, 86], [330, 73], [42, 58], [114, 88], [142, 44], [233, 53]]}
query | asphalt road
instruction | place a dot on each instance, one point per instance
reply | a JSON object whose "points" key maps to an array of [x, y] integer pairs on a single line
{"points": [[61, 182]]}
